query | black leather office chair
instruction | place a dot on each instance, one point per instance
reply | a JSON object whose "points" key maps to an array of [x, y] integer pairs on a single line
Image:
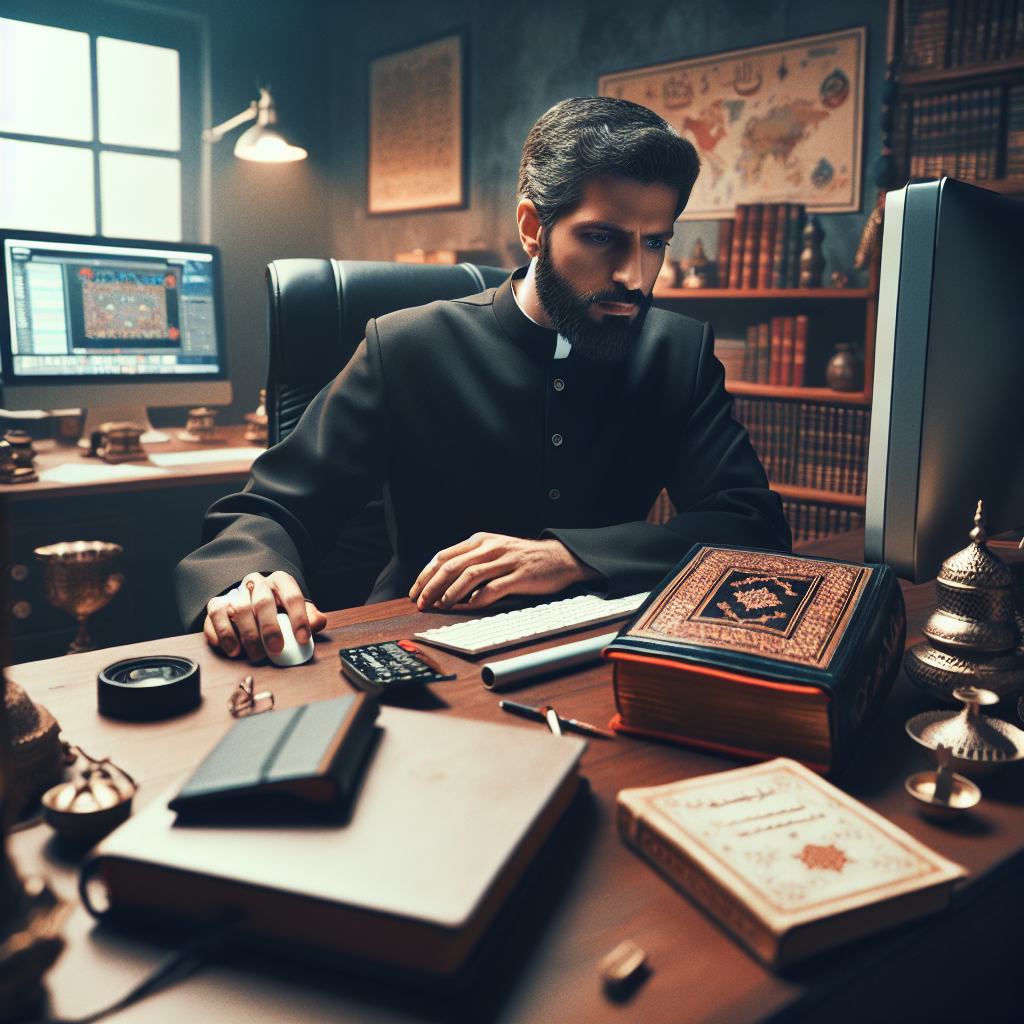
{"points": [[317, 312]]}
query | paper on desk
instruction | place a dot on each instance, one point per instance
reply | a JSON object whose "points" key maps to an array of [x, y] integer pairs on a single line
{"points": [[93, 472], [206, 455]]}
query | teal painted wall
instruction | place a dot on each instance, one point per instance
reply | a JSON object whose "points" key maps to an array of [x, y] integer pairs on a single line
{"points": [[524, 57]]}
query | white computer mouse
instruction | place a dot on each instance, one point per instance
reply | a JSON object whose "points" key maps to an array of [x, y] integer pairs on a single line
{"points": [[293, 653]]}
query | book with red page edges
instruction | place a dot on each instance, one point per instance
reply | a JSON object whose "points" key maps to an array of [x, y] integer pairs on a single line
{"points": [[760, 654]]}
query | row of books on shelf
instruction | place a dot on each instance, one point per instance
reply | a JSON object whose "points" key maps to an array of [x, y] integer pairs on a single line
{"points": [[760, 246], [958, 133], [812, 521], [808, 444], [952, 33]]}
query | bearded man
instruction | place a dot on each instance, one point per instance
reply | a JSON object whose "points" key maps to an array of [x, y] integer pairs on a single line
{"points": [[521, 435]]}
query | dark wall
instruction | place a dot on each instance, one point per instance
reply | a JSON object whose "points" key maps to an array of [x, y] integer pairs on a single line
{"points": [[526, 56], [262, 212]]}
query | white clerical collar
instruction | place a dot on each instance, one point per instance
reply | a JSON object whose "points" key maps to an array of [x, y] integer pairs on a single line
{"points": [[562, 345]]}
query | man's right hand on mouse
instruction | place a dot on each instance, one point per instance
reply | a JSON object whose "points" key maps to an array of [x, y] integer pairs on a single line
{"points": [[245, 619]]}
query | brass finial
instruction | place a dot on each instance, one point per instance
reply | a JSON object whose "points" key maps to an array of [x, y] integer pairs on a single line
{"points": [[978, 534]]}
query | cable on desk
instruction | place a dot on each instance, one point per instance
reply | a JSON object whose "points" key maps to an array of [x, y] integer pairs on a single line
{"points": [[174, 967]]}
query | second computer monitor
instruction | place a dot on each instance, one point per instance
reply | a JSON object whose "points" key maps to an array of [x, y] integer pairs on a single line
{"points": [[947, 421]]}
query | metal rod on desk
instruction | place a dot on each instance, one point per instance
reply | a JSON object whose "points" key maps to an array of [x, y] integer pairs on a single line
{"points": [[499, 675]]}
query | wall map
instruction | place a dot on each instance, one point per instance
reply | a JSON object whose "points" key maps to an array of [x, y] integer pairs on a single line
{"points": [[772, 124]]}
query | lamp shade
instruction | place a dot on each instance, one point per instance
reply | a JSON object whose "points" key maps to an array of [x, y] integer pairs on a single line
{"points": [[265, 144]]}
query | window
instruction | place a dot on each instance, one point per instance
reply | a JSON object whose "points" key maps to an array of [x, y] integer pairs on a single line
{"points": [[91, 125]]}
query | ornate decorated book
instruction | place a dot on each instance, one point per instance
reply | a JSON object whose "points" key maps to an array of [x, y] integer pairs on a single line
{"points": [[782, 859], [761, 653]]}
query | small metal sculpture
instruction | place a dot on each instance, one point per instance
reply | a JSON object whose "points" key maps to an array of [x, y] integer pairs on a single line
{"points": [[243, 702], [92, 805], [972, 637], [17, 458], [117, 441], [980, 745], [34, 753], [812, 262], [943, 793], [257, 428], [201, 425], [78, 581]]}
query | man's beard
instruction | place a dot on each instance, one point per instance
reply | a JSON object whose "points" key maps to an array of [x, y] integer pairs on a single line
{"points": [[602, 341]]}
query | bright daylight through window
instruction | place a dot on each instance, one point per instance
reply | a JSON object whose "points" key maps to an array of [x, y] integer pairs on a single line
{"points": [[72, 162]]}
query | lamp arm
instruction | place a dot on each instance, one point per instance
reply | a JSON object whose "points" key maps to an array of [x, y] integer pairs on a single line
{"points": [[218, 133]]}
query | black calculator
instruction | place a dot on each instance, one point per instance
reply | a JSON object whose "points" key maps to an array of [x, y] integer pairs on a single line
{"points": [[384, 668]]}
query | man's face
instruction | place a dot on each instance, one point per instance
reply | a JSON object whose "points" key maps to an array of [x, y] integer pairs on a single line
{"points": [[598, 262]]}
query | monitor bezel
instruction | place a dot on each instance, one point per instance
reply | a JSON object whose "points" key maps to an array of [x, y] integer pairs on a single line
{"points": [[10, 381]]}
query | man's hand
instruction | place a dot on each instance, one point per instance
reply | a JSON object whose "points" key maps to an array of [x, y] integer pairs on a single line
{"points": [[487, 566], [246, 619]]}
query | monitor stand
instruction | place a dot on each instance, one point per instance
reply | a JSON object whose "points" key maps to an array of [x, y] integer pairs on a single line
{"points": [[99, 415]]}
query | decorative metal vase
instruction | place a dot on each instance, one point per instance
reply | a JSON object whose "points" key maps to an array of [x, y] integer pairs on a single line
{"points": [[845, 371], [972, 638], [78, 581]]}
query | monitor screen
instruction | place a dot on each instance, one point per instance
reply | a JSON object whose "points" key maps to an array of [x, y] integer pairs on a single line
{"points": [[83, 310]]}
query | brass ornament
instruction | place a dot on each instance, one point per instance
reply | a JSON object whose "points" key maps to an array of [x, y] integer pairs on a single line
{"points": [[201, 426], [980, 745], [257, 421], [972, 637], [117, 441], [17, 458], [78, 581]]}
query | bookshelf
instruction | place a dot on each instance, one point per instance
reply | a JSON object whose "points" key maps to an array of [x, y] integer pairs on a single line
{"points": [[958, 109], [798, 431]]}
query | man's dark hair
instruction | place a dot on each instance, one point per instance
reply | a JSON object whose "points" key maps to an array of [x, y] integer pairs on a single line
{"points": [[591, 135]]}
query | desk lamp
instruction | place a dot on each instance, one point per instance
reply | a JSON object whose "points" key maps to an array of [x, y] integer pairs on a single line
{"points": [[262, 142]]}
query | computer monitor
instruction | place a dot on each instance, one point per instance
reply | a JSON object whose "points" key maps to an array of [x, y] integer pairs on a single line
{"points": [[947, 419], [110, 325]]}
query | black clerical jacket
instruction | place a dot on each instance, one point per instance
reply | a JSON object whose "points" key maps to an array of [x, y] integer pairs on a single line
{"points": [[461, 410]]}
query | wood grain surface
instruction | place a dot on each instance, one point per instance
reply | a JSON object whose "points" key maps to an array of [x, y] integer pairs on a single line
{"points": [[594, 893]]}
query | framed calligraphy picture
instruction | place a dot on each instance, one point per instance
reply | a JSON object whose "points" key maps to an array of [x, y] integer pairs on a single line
{"points": [[416, 148], [773, 124]]}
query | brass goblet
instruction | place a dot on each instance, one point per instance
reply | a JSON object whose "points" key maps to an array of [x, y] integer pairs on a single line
{"points": [[78, 581]]}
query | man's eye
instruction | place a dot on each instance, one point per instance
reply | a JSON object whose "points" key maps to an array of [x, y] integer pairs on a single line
{"points": [[599, 237], [657, 244]]}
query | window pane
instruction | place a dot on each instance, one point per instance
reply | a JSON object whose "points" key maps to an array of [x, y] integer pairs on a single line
{"points": [[46, 188], [45, 82], [140, 196], [139, 94]]}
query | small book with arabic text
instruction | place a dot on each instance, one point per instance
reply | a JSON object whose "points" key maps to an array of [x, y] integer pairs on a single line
{"points": [[761, 654], [784, 860]]}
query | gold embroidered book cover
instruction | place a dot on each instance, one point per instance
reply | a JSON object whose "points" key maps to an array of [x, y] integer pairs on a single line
{"points": [[761, 653], [788, 863]]}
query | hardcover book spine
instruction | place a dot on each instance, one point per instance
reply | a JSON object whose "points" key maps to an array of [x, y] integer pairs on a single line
{"points": [[800, 351], [750, 355], [1015, 131], [739, 234], [764, 352], [755, 214], [793, 232], [682, 871], [1018, 30], [781, 247], [956, 33], [788, 339], [724, 252], [766, 247], [775, 376]]}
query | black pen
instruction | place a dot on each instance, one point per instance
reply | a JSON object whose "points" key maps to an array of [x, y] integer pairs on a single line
{"points": [[537, 715]]}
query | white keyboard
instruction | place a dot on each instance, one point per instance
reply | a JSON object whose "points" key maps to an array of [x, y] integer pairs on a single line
{"points": [[527, 624]]}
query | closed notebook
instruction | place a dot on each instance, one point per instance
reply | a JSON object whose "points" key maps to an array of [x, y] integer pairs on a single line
{"points": [[786, 862], [313, 752], [761, 653], [450, 814]]}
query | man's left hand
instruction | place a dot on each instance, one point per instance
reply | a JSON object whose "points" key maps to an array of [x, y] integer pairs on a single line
{"points": [[488, 566]]}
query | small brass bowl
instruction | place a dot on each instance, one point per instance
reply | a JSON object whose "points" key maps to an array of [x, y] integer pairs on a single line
{"points": [[963, 796], [78, 812]]}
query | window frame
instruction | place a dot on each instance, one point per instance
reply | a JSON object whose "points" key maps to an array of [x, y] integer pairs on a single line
{"points": [[136, 23]]}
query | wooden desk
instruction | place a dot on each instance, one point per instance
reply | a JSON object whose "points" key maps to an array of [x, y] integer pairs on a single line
{"points": [[963, 966], [155, 519]]}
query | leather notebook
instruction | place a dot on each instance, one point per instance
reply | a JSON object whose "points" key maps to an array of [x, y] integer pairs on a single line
{"points": [[313, 752], [451, 815]]}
